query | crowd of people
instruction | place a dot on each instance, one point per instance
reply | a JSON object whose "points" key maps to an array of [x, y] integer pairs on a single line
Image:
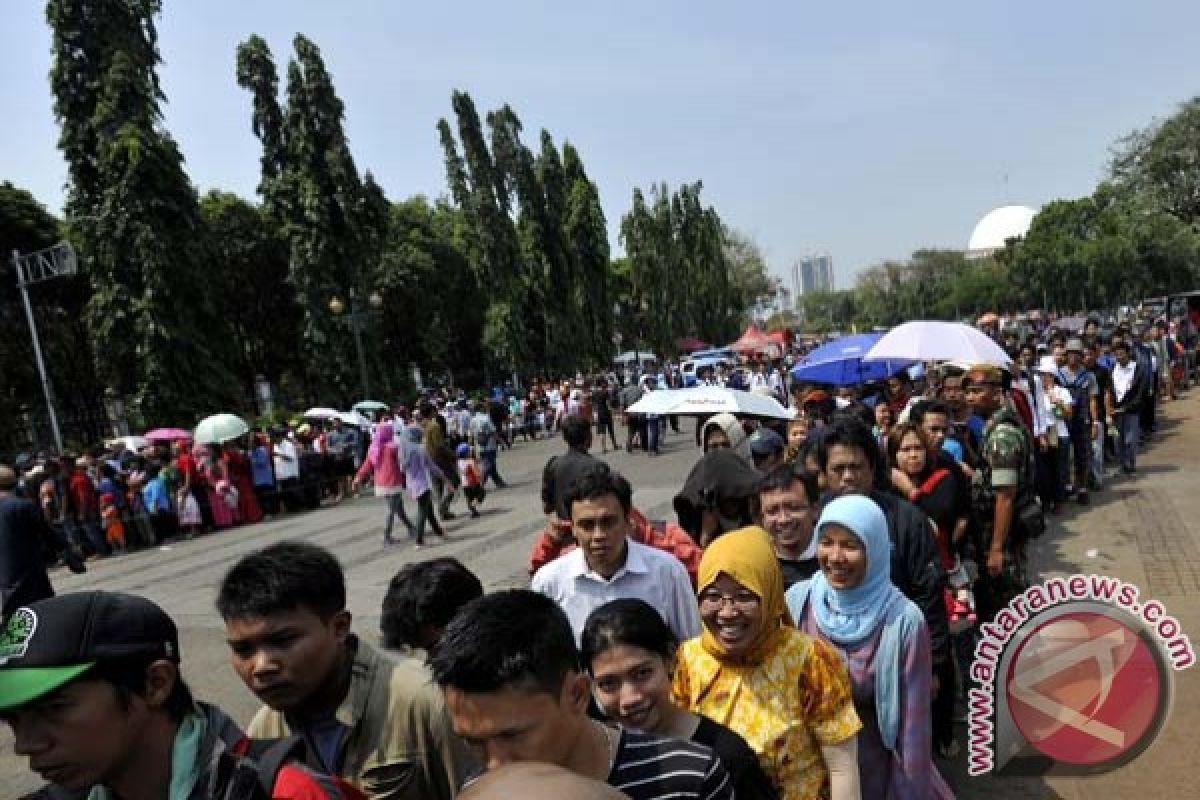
{"points": [[804, 628]]}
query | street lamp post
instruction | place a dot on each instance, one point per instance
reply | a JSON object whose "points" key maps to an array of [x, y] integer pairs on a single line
{"points": [[53, 262], [357, 319]]}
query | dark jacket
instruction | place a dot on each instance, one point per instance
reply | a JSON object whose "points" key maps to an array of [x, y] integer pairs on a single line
{"points": [[25, 538], [559, 475]]}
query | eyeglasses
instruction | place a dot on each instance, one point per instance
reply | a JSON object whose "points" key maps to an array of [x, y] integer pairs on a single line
{"points": [[742, 600]]}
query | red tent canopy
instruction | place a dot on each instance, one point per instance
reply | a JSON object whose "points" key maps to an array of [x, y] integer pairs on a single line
{"points": [[752, 341]]}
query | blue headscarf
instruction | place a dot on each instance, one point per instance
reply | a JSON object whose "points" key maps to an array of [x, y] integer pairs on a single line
{"points": [[848, 617]]}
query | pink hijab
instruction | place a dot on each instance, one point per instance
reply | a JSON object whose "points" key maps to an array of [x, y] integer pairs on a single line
{"points": [[383, 437]]}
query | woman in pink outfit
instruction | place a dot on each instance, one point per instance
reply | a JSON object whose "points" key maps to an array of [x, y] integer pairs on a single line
{"points": [[384, 463]]}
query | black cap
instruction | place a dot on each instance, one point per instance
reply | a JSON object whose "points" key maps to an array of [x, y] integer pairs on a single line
{"points": [[47, 644]]}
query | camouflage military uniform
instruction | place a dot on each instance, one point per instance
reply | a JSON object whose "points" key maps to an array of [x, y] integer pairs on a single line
{"points": [[1006, 461]]}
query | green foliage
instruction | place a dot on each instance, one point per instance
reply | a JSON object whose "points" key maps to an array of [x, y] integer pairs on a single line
{"points": [[685, 273], [133, 215], [536, 240]]}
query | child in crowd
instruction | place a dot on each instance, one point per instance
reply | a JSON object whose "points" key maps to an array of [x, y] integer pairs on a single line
{"points": [[189, 513], [468, 471], [229, 496], [114, 528]]}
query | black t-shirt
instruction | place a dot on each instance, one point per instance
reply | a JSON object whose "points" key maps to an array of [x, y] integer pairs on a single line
{"points": [[795, 570], [559, 475], [600, 403], [743, 766], [649, 767]]}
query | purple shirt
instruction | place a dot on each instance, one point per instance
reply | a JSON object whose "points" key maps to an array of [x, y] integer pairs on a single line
{"points": [[908, 773]]}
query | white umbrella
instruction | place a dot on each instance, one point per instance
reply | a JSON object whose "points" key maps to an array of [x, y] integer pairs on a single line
{"points": [[934, 340], [370, 405], [321, 412], [710, 400], [354, 418], [220, 428], [134, 444]]}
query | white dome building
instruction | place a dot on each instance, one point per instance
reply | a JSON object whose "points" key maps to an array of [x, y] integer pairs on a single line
{"points": [[997, 227]]}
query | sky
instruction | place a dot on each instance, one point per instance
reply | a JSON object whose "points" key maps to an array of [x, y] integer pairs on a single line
{"points": [[865, 130]]}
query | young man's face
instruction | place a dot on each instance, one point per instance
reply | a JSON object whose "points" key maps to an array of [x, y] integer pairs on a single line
{"points": [[601, 527], [952, 391], [287, 658], [847, 470], [788, 516], [79, 735], [937, 425], [519, 723]]}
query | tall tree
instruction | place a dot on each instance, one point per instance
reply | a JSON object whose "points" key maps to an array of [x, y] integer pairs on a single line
{"points": [[334, 220], [586, 232], [134, 215]]}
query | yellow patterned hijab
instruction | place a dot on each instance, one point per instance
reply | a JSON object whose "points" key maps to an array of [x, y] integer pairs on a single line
{"points": [[747, 556]]}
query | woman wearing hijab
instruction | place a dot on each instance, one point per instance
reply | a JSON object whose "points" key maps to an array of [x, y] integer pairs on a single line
{"points": [[724, 430], [853, 605], [420, 470], [383, 461], [785, 692]]}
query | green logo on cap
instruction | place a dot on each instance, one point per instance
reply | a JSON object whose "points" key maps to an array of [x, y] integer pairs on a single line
{"points": [[14, 639]]}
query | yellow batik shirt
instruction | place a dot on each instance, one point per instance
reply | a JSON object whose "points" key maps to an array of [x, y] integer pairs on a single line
{"points": [[786, 707]]}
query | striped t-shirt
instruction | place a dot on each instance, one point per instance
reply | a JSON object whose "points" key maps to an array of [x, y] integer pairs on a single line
{"points": [[654, 768]]}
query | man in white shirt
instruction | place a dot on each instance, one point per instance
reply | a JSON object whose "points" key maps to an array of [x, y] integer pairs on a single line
{"points": [[609, 564], [1129, 385], [287, 467]]}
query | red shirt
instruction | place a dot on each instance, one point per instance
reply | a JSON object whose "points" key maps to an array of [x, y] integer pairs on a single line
{"points": [[83, 493]]}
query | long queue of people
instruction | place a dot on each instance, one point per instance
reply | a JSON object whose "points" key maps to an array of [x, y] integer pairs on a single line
{"points": [[802, 631]]}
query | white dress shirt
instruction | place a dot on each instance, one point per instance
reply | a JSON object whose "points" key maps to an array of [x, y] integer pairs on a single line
{"points": [[648, 574]]}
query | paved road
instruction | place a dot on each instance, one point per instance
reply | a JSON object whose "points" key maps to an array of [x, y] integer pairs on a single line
{"points": [[1145, 530], [183, 578]]}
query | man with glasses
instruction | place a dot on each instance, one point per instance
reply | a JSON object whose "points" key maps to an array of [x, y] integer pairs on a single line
{"points": [[1003, 479], [787, 502]]}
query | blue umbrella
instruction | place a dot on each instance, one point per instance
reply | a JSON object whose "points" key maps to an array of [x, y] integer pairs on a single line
{"points": [[840, 363]]}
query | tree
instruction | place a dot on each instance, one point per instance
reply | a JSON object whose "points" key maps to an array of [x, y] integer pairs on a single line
{"points": [[249, 272], [1162, 163], [133, 215], [334, 220]]}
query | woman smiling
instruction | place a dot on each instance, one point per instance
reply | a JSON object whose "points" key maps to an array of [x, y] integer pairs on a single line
{"points": [[629, 652], [786, 693], [853, 604]]}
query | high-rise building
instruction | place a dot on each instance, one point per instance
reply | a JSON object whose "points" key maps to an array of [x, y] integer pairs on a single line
{"points": [[813, 274]]}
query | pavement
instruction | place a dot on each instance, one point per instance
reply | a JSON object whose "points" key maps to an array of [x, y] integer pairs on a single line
{"points": [[1144, 529]]}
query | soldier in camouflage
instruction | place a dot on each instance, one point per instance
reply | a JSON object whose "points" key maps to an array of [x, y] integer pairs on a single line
{"points": [[1003, 482]]}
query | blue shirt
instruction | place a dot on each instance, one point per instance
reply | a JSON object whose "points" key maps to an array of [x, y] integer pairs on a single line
{"points": [[260, 466], [155, 496]]}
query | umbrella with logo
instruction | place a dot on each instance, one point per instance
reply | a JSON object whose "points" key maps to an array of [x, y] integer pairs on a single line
{"points": [[700, 400], [840, 362], [220, 428], [935, 340]]}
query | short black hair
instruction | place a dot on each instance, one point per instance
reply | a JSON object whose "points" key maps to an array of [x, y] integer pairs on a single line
{"points": [[128, 677], [598, 481], [425, 593], [512, 638], [626, 621], [576, 430], [283, 577], [783, 476], [848, 431], [917, 413]]}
